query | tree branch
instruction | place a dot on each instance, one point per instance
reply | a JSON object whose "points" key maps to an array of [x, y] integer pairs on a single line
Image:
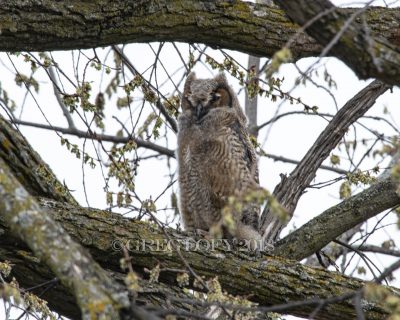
{"points": [[288, 160], [321, 230], [376, 249], [388, 271], [251, 103], [30, 272], [91, 286], [368, 56], [268, 281], [251, 28], [289, 190], [67, 114], [332, 251], [27, 166], [101, 137]]}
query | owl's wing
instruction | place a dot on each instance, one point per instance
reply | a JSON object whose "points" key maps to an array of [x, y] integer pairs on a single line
{"points": [[249, 154], [231, 164]]}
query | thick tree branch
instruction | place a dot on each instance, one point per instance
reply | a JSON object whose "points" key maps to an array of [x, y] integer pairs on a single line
{"points": [[95, 292], [351, 42], [321, 230], [30, 273], [289, 190], [267, 281], [252, 28], [28, 167]]}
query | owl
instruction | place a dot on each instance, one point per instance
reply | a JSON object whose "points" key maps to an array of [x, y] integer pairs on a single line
{"points": [[216, 159]]}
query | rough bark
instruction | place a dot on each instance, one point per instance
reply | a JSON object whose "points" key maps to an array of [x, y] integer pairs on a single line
{"points": [[251, 103], [29, 229], [268, 280], [252, 28], [30, 272], [94, 291]]}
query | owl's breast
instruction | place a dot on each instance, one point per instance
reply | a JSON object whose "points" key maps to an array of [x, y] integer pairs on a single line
{"points": [[187, 156]]}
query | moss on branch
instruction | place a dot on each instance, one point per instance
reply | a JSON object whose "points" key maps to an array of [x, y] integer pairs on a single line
{"points": [[252, 28]]}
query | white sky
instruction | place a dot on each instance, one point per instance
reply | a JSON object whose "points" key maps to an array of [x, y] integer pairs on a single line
{"points": [[290, 137]]}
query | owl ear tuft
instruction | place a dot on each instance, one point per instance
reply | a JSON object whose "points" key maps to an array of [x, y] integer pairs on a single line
{"points": [[191, 76], [186, 91], [221, 79]]}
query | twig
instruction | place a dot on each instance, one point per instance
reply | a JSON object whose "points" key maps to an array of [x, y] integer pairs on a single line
{"points": [[388, 271], [366, 260], [100, 137], [171, 121], [287, 160], [376, 249], [60, 101]]}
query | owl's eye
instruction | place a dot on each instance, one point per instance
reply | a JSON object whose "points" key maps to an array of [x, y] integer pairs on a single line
{"points": [[223, 97], [215, 97]]}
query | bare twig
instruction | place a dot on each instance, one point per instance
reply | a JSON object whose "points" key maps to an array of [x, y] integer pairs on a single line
{"points": [[287, 160], [171, 121], [60, 101], [377, 249], [100, 137], [388, 271], [366, 260], [322, 115]]}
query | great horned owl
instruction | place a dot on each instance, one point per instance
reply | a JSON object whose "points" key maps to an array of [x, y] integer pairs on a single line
{"points": [[216, 158]]}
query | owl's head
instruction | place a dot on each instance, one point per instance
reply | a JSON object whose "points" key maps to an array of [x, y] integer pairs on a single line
{"points": [[200, 96]]}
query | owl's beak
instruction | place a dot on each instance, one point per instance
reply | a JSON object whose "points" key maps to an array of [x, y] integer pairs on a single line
{"points": [[199, 111]]}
